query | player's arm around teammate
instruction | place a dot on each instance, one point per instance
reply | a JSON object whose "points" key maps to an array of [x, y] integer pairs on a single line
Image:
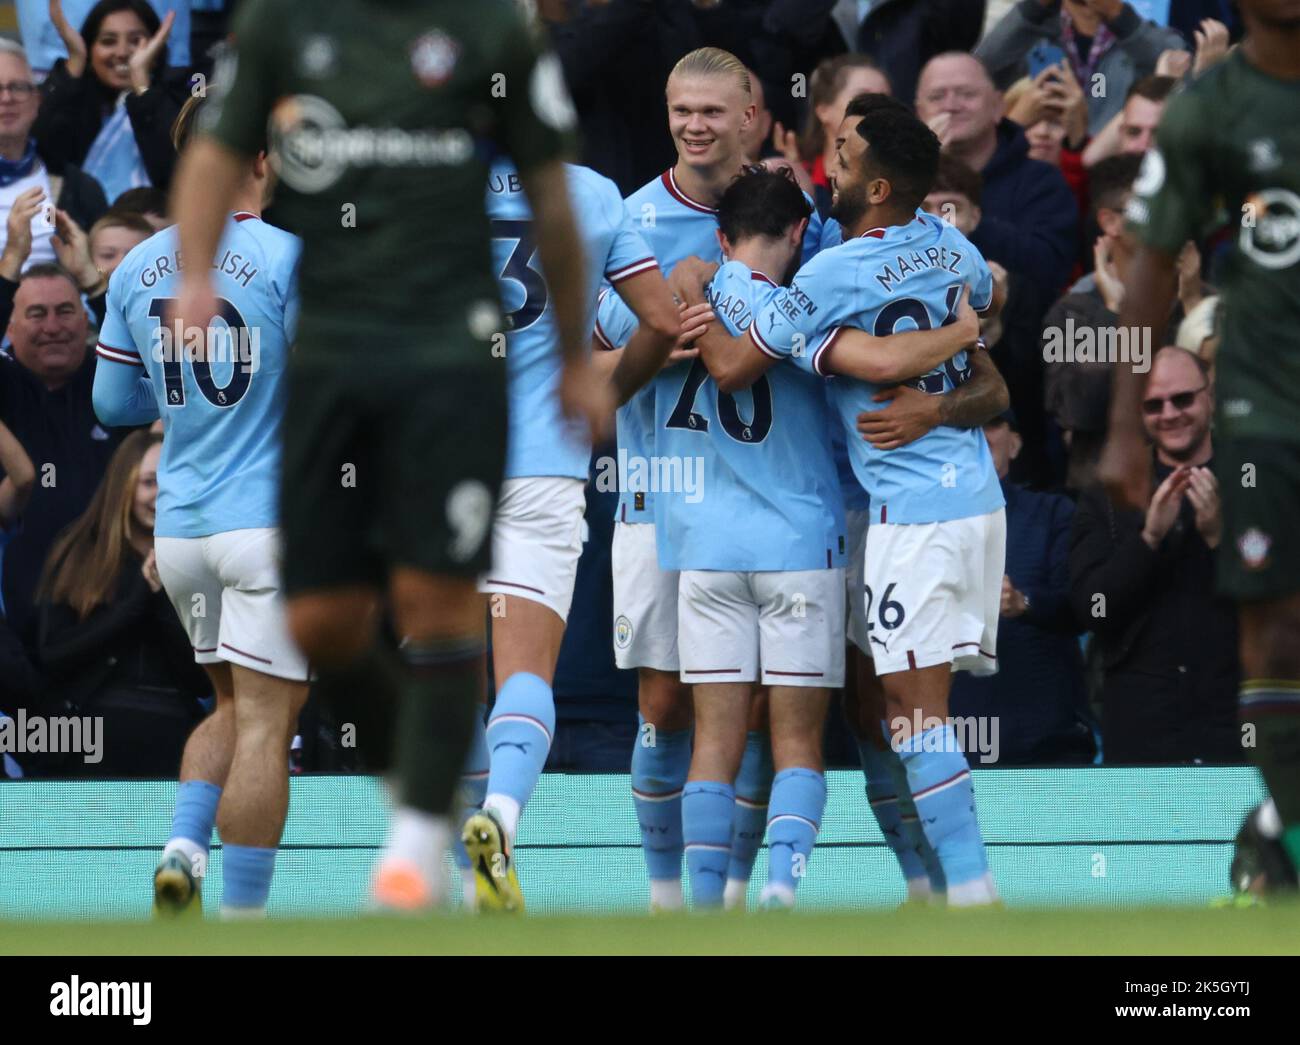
{"points": [[910, 413], [735, 363]]}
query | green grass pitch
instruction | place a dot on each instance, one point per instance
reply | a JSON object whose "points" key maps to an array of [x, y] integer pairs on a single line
{"points": [[1274, 929]]}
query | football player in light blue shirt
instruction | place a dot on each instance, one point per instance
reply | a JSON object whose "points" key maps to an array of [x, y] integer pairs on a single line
{"points": [[760, 546], [933, 501], [537, 538], [220, 394], [710, 105]]}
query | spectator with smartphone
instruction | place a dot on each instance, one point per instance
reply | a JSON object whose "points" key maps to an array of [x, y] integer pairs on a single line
{"points": [[1054, 114], [1106, 42], [27, 183]]}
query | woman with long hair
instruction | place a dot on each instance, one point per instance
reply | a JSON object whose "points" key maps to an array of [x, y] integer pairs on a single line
{"points": [[108, 638], [109, 106]]}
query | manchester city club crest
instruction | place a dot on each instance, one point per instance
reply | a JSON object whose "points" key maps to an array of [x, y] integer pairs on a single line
{"points": [[433, 58], [622, 632]]}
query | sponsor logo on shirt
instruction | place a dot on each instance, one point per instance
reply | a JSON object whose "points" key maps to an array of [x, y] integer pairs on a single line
{"points": [[1270, 228], [312, 145]]}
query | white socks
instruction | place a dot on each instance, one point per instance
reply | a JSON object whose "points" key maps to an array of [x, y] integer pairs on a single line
{"points": [[421, 839], [192, 851], [666, 894], [978, 893], [507, 811]]}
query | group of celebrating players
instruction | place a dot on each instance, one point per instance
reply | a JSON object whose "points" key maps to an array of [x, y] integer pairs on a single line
{"points": [[370, 465]]}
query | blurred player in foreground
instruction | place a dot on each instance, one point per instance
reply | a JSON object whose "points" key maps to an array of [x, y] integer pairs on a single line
{"points": [[220, 393], [1227, 144], [537, 535], [936, 544], [394, 432]]}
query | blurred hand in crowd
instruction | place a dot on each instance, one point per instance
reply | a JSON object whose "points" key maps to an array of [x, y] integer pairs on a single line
{"points": [[941, 124], [1174, 63], [144, 59], [72, 247], [72, 41], [1190, 287], [1109, 284], [149, 570], [1211, 45], [1052, 109], [1162, 512], [1013, 603], [18, 232], [1203, 492]]}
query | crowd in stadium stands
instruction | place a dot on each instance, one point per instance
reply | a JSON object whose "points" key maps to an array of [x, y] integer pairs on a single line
{"points": [[1112, 647]]}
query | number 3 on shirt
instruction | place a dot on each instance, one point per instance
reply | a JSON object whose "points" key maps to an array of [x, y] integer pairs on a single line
{"points": [[518, 270], [241, 375]]}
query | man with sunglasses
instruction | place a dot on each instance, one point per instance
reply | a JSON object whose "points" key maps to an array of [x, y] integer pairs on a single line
{"points": [[1144, 583]]}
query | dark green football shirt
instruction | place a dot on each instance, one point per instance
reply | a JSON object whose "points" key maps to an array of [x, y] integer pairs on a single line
{"points": [[382, 117], [1230, 144]]}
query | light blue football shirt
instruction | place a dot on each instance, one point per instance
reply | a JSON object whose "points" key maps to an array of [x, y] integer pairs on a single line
{"points": [[542, 441], [221, 416], [888, 280], [765, 494], [676, 227]]}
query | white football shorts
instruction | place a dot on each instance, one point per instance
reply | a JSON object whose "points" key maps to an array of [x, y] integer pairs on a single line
{"points": [[933, 593], [537, 539], [645, 601], [781, 628], [226, 590]]}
